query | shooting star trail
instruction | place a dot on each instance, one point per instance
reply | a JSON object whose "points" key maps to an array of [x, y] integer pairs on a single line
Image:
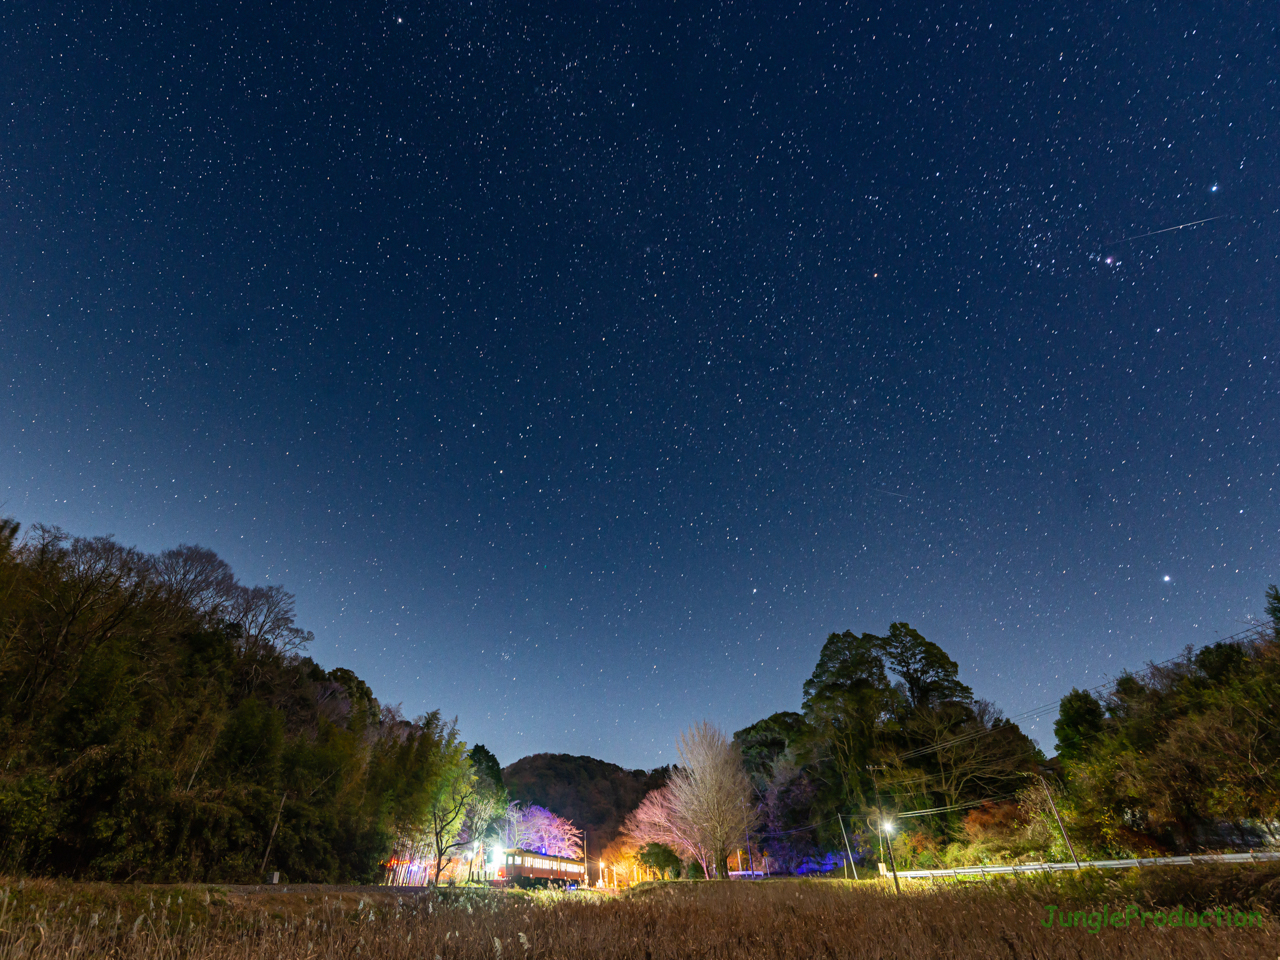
{"points": [[901, 496], [1167, 229]]}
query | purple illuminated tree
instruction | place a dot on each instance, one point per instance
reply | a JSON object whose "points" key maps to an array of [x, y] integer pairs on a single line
{"points": [[537, 828]]}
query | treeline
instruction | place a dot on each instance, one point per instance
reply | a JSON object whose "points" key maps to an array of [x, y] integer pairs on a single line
{"points": [[159, 721], [1183, 755]]}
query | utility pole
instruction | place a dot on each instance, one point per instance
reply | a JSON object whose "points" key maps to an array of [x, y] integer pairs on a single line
{"points": [[1054, 807], [840, 820], [274, 827]]}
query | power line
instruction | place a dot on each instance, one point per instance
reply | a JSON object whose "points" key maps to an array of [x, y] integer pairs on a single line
{"points": [[811, 826], [969, 804]]}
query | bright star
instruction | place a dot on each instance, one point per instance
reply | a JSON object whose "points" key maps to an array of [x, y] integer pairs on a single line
{"points": [[1214, 188], [1167, 578]]}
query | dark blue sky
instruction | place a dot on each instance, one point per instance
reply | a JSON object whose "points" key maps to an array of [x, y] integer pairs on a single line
{"points": [[581, 366]]}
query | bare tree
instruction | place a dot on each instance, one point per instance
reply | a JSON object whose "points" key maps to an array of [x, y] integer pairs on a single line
{"points": [[196, 578], [90, 592], [657, 820], [265, 617], [711, 792]]}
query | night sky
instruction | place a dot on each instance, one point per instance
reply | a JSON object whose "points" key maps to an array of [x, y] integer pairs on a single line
{"points": [[580, 367]]}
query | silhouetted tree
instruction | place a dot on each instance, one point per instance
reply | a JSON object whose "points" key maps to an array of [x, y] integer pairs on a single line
{"points": [[1080, 719]]}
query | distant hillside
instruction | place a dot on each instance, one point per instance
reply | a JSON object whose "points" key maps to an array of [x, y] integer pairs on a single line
{"points": [[595, 795]]}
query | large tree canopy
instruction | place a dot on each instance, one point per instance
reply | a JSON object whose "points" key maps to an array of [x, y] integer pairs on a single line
{"points": [[928, 674], [859, 664], [849, 664]]}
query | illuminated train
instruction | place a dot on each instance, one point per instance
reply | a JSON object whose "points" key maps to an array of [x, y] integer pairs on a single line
{"points": [[522, 867]]}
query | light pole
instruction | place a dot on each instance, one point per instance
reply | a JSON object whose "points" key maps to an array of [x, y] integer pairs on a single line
{"points": [[888, 829]]}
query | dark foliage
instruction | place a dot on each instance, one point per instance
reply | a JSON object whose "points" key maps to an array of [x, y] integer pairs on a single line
{"points": [[1187, 754], [157, 722], [486, 765], [1080, 719], [662, 858]]}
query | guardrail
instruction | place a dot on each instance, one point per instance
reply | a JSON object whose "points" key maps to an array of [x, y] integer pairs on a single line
{"points": [[985, 871]]}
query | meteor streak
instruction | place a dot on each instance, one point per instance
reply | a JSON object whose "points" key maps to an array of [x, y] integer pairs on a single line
{"points": [[1167, 229]]}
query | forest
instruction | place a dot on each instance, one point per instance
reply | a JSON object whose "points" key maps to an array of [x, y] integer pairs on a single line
{"points": [[160, 721]]}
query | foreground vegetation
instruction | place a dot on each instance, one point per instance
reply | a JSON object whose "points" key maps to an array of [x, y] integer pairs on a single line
{"points": [[777, 919]]}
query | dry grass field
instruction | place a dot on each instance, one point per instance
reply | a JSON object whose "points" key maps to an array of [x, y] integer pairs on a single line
{"points": [[774, 919]]}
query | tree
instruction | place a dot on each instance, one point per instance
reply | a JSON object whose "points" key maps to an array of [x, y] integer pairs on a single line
{"points": [[265, 618], [845, 700], [489, 802], [1187, 750], [486, 765], [448, 801], [198, 579], [1273, 610], [141, 737], [1080, 719], [773, 750], [660, 857], [621, 858], [658, 820], [848, 664], [786, 808], [929, 675], [974, 752], [711, 792], [765, 741], [536, 828]]}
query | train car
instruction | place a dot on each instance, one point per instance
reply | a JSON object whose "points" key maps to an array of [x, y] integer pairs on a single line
{"points": [[525, 867]]}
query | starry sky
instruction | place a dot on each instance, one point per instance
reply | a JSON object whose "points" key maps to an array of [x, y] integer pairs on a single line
{"points": [[581, 366]]}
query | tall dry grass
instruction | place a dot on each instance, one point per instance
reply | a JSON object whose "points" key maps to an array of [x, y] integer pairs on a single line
{"points": [[706, 920]]}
